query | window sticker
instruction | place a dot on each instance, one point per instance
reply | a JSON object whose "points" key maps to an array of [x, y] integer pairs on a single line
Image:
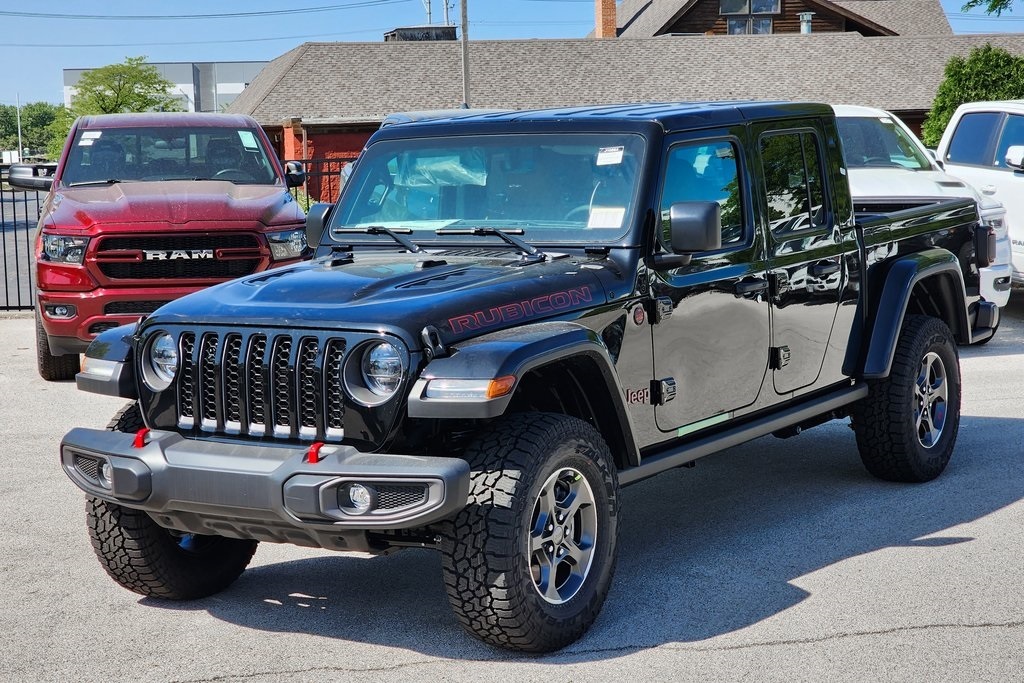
{"points": [[606, 216], [608, 156], [92, 134], [248, 139], [85, 142]]}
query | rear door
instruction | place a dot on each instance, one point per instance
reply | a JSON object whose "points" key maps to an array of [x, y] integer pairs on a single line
{"points": [[805, 249]]}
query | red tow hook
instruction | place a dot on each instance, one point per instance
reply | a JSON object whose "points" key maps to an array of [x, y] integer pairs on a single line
{"points": [[140, 438], [313, 454]]}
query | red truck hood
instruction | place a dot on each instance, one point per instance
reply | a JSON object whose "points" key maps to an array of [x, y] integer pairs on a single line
{"points": [[173, 202]]}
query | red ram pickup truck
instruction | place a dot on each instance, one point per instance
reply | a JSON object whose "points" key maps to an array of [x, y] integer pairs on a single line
{"points": [[145, 208]]}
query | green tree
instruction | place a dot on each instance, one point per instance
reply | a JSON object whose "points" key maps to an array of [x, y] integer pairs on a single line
{"points": [[58, 132], [996, 7], [987, 73], [36, 118], [129, 86]]}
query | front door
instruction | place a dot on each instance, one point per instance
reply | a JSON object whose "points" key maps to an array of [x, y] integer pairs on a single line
{"points": [[712, 334]]}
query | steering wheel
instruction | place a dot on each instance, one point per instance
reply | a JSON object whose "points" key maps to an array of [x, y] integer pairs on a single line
{"points": [[581, 211], [233, 174]]}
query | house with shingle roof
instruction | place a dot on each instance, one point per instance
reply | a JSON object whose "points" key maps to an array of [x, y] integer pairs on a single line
{"points": [[323, 100]]}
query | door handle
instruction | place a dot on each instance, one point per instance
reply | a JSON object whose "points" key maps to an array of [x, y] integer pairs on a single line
{"points": [[988, 189], [751, 285], [824, 268]]}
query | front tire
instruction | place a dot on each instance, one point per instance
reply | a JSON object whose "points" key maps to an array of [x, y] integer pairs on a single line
{"points": [[529, 561], [53, 368], [150, 560], [907, 426]]}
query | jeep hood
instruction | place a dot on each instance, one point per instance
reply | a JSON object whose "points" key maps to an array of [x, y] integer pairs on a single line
{"points": [[460, 296], [173, 202]]}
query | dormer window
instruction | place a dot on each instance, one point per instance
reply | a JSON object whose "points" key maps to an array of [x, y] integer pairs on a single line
{"points": [[746, 16]]}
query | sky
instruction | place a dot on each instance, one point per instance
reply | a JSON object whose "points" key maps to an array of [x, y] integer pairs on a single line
{"points": [[40, 39]]}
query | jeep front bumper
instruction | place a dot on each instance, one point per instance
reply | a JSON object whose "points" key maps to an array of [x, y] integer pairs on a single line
{"points": [[267, 493]]}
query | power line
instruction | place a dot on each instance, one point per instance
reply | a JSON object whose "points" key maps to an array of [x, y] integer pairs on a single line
{"points": [[226, 15], [200, 42]]}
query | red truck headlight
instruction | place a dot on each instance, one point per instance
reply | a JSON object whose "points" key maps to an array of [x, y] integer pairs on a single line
{"points": [[64, 249]]}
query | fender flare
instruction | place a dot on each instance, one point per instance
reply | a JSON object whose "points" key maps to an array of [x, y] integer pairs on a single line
{"points": [[515, 353], [108, 368], [900, 279]]}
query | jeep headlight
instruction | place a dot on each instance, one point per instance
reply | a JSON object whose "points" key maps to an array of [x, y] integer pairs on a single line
{"points": [[64, 249], [160, 363], [373, 374], [286, 245]]}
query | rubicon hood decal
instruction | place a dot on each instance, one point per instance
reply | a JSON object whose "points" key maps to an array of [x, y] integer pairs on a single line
{"points": [[520, 310]]}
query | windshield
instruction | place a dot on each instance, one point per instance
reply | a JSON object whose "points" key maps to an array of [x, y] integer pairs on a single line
{"points": [[872, 141], [578, 187], [168, 153]]}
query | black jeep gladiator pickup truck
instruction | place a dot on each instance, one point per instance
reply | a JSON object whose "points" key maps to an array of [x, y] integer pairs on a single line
{"points": [[509, 317]]}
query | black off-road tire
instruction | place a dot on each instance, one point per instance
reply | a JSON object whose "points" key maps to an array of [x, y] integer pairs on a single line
{"points": [[925, 374], [488, 556], [53, 368], [156, 562]]}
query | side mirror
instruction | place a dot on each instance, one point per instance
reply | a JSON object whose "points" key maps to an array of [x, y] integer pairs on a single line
{"points": [[1014, 157], [316, 220], [693, 227], [31, 176], [294, 173], [935, 158]]}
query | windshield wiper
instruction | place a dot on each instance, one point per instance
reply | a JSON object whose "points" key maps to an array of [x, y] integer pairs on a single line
{"points": [[409, 245], [84, 183], [524, 248]]}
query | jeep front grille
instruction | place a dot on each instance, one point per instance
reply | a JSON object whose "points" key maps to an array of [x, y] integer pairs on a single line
{"points": [[278, 385]]}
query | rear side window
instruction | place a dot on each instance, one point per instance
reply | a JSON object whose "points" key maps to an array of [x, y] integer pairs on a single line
{"points": [[1013, 134], [793, 181], [972, 139]]}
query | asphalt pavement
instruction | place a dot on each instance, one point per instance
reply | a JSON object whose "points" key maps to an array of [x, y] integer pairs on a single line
{"points": [[779, 560]]}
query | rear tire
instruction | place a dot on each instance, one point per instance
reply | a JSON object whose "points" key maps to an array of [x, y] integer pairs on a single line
{"points": [[528, 562], [53, 368], [907, 426], [150, 560]]}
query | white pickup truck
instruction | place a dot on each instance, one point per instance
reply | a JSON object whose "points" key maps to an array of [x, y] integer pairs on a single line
{"points": [[887, 163], [978, 146]]}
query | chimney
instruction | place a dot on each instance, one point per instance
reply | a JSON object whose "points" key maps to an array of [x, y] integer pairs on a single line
{"points": [[805, 22], [604, 19]]}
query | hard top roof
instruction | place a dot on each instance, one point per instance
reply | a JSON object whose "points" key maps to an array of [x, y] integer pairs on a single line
{"points": [[161, 119], [668, 116]]}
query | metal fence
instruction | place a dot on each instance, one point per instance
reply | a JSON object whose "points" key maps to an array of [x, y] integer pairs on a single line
{"points": [[19, 211], [324, 178]]}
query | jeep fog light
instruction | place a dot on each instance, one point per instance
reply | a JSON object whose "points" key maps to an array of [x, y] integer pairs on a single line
{"points": [[161, 363], [480, 389], [358, 499], [106, 475], [285, 245]]}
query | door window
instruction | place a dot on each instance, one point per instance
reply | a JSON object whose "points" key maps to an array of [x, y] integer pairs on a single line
{"points": [[705, 171], [1013, 134], [972, 139], [793, 181]]}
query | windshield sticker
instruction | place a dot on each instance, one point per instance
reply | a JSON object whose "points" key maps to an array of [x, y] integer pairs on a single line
{"points": [[90, 134], [606, 217], [248, 139], [608, 156], [86, 142]]}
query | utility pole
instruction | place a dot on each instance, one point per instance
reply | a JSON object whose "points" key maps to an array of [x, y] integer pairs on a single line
{"points": [[465, 57], [426, 5], [21, 148], [447, 5]]}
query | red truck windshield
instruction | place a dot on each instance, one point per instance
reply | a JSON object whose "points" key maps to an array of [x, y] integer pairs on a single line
{"points": [[167, 153]]}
